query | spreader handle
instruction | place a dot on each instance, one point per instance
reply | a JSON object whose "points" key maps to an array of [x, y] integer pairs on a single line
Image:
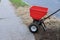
{"points": [[51, 14]]}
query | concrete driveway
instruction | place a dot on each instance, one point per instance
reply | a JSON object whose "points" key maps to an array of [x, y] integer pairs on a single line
{"points": [[11, 27]]}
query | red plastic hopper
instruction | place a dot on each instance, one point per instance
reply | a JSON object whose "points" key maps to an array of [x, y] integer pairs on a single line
{"points": [[37, 12]]}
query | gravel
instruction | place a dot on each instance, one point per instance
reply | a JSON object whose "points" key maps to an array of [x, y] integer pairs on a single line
{"points": [[52, 24]]}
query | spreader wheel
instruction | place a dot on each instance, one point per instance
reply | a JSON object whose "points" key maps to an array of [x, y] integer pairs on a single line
{"points": [[33, 28]]}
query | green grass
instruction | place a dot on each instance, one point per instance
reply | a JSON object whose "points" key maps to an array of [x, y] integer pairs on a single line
{"points": [[18, 3]]}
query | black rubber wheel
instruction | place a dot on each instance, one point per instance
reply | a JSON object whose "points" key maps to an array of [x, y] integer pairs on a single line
{"points": [[33, 28]]}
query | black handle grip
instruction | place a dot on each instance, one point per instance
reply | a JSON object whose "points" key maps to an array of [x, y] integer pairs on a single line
{"points": [[51, 14]]}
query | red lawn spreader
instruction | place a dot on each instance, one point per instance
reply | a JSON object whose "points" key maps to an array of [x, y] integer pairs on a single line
{"points": [[37, 13]]}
